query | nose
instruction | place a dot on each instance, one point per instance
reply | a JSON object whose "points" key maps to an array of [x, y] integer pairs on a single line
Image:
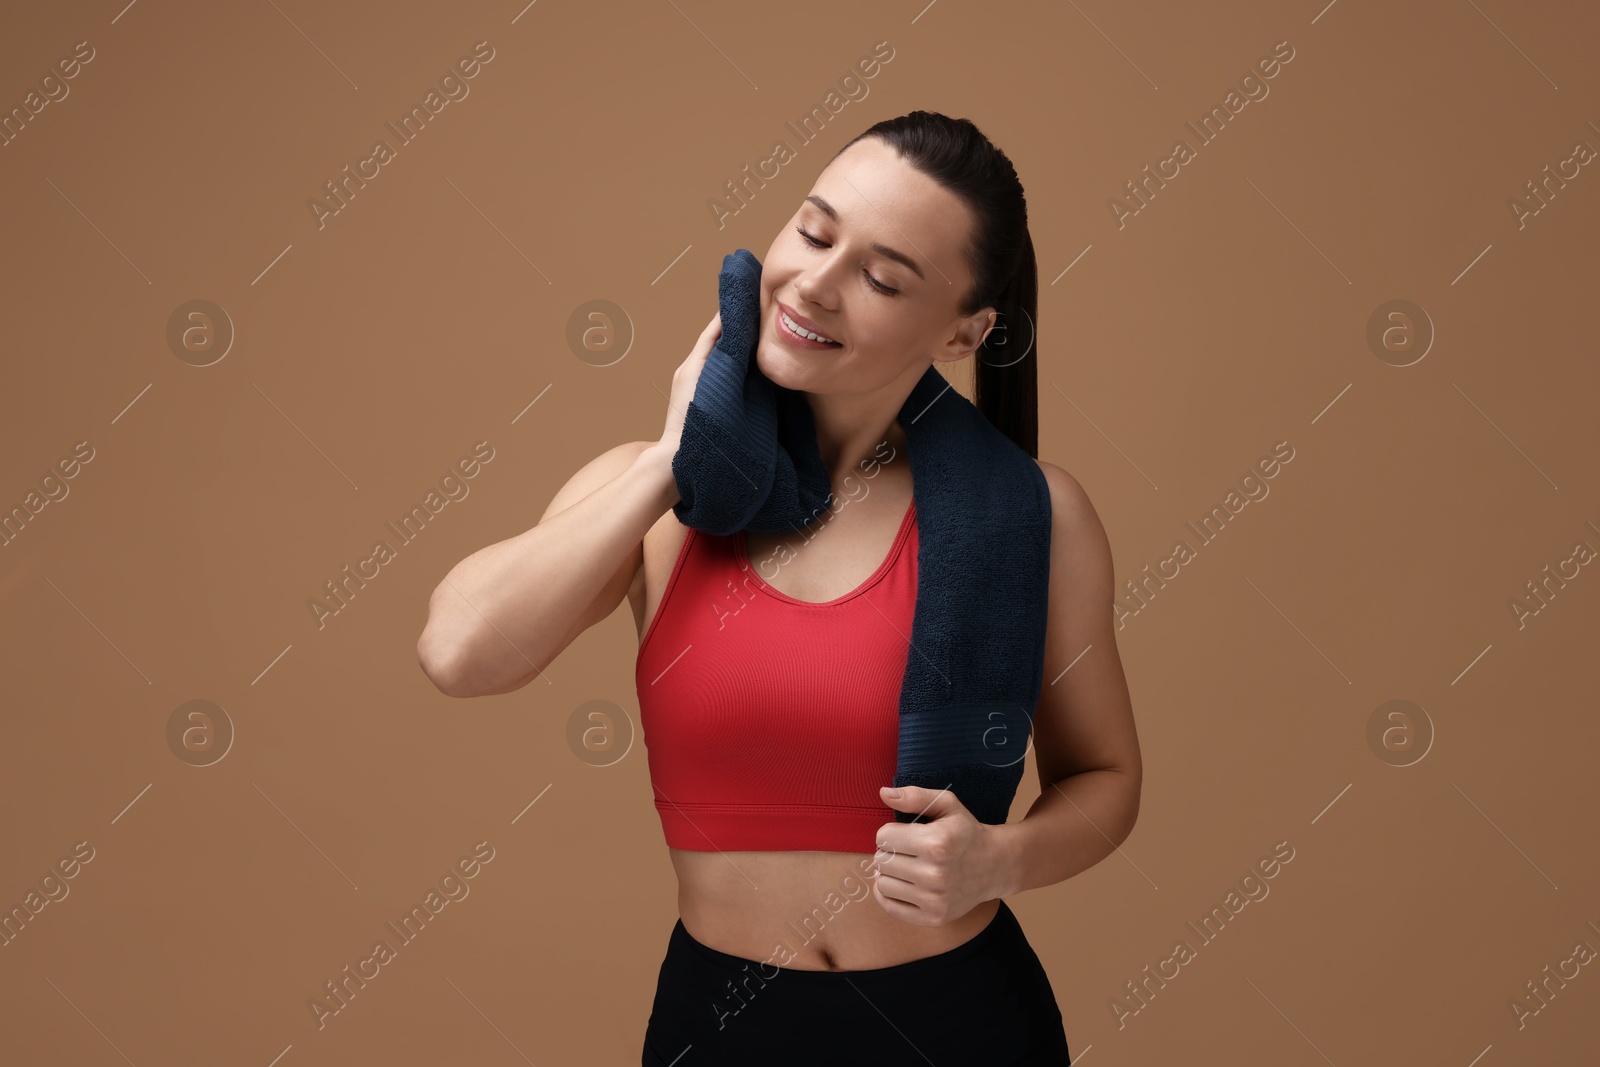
{"points": [[815, 287]]}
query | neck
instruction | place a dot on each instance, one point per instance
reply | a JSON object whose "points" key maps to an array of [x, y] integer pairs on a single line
{"points": [[851, 427]]}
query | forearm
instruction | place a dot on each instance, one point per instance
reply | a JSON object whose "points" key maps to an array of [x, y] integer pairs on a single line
{"points": [[1074, 824]]}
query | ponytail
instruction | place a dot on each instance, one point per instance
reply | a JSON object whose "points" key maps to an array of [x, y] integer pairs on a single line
{"points": [[1006, 371]]}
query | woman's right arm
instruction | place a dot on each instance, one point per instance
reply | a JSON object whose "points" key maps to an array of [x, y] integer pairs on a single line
{"points": [[507, 611]]}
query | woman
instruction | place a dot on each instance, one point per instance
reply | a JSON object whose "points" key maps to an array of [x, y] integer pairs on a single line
{"points": [[814, 926]]}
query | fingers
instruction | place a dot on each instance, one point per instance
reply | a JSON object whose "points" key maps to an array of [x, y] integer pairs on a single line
{"points": [[702, 347], [899, 899], [713, 328], [893, 840]]}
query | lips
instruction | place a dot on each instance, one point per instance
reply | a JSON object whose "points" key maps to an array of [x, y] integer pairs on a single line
{"points": [[806, 323]]}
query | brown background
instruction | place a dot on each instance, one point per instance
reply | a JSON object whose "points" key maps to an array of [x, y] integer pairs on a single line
{"points": [[1229, 314]]}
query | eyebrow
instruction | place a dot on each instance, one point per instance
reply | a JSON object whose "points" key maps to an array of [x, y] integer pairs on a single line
{"points": [[882, 249]]}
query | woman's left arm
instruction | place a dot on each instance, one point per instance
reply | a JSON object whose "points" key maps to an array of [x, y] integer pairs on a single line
{"points": [[1084, 741]]}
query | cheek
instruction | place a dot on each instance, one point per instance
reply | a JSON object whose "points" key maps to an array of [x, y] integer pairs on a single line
{"points": [[778, 266], [775, 249], [773, 278], [880, 333]]}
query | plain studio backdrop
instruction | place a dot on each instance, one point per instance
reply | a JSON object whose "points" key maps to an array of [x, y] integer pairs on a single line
{"points": [[304, 303]]}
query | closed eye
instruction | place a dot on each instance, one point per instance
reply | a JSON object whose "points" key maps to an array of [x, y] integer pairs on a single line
{"points": [[814, 243]]}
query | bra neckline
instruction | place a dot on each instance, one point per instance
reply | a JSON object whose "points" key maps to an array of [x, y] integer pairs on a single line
{"points": [[742, 556]]}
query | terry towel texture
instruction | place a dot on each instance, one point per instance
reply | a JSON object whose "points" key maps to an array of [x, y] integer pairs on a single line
{"points": [[748, 459]]}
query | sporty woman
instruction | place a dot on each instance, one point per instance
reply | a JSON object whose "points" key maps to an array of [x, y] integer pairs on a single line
{"points": [[814, 927]]}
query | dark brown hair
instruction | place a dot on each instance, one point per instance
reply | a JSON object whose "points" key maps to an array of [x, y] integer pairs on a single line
{"points": [[956, 154]]}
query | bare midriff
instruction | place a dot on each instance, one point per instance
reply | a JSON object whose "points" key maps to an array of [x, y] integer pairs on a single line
{"points": [[815, 910]]}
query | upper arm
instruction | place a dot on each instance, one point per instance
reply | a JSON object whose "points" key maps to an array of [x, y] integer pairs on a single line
{"points": [[590, 477], [1085, 716]]}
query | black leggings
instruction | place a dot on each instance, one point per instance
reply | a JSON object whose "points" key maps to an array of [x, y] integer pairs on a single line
{"points": [[987, 1001]]}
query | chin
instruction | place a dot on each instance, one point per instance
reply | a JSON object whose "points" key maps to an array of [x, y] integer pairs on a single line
{"points": [[785, 367], [776, 363]]}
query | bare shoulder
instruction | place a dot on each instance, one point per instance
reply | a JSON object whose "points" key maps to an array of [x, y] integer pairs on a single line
{"points": [[1070, 507], [1078, 541]]}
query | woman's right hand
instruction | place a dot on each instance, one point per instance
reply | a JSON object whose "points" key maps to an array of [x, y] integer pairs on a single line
{"points": [[684, 380]]}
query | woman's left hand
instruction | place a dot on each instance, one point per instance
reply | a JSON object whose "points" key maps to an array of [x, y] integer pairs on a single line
{"points": [[935, 872]]}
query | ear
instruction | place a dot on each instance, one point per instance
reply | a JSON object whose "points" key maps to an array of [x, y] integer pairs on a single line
{"points": [[969, 333]]}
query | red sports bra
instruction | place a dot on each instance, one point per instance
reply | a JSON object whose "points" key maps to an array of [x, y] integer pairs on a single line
{"points": [[770, 723]]}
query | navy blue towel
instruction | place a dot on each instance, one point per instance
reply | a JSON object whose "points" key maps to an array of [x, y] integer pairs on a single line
{"points": [[748, 459]]}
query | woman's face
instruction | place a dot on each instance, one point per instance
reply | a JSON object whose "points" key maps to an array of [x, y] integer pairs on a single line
{"points": [[891, 319]]}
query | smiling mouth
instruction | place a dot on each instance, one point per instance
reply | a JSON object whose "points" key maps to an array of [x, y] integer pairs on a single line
{"points": [[804, 334]]}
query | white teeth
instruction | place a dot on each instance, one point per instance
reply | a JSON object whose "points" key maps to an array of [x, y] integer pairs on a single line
{"points": [[803, 332]]}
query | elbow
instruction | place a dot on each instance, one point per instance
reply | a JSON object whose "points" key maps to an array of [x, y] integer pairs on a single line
{"points": [[1130, 811], [1124, 814], [444, 665]]}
